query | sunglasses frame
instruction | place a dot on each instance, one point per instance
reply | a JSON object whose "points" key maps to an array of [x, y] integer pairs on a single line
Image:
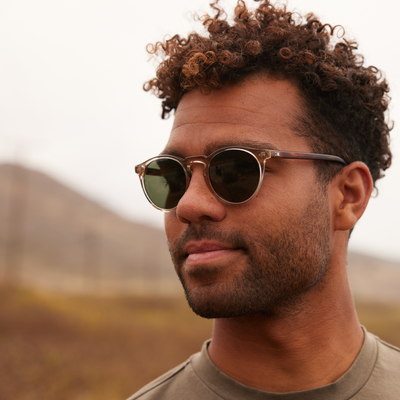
{"points": [[261, 157]]}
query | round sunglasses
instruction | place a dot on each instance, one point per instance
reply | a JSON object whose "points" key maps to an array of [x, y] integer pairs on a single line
{"points": [[233, 174]]}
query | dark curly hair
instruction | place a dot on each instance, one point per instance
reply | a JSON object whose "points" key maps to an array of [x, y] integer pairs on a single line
{"points": [[344, 101]]}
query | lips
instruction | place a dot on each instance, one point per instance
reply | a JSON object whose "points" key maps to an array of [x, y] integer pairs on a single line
{"points": [[200, 253]]}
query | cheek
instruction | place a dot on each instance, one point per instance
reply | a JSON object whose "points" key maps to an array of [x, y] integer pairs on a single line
{"points": [[273, 201], [171, 226], [281, 205]]}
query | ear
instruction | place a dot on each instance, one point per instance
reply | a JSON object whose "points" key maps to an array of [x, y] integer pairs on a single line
{"points": [[351, 191]]}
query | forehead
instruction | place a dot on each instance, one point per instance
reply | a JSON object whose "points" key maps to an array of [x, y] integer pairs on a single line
{"points": [[255, 112]]}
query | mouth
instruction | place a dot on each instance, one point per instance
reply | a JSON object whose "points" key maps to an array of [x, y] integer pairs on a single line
{"points": [[201, 253]]}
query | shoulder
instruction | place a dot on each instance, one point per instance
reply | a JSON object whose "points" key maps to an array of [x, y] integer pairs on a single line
{"points": [[384, 380], [388, 356], [147, 391], [182, 382]]}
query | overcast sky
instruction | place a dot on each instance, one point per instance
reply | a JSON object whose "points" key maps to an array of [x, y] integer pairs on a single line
{"points": [[72, 104]]}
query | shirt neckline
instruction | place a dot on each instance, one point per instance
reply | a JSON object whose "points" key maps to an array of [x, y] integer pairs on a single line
{"points": [[344, 388]]}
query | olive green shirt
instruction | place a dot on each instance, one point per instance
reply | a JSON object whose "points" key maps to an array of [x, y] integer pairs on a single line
{"points": [[375, 374]]}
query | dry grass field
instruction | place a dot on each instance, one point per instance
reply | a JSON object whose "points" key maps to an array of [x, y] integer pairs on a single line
{"points": [[83, 348], [86, 348]]}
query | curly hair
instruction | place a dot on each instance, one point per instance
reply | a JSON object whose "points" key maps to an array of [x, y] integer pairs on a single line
{"points": [[344, 101]]}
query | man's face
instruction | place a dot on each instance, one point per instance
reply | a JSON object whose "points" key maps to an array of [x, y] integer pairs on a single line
{"points": [[264, 255]]}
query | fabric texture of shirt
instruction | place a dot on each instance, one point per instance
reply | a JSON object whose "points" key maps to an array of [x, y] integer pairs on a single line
{"points": [[375, 374]]}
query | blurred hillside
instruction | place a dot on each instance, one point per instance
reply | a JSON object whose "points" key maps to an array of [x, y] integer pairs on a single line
{"points": [[54, 238], [374, 279]]}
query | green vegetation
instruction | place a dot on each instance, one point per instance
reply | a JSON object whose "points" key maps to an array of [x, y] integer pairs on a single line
{"points": [[86, 348]]}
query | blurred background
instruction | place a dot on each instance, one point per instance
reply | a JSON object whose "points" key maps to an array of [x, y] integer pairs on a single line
{"points": [[90, 306]]}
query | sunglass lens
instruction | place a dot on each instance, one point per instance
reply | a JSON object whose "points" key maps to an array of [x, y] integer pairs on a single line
{"points": [[234, 175], [165, 182]]}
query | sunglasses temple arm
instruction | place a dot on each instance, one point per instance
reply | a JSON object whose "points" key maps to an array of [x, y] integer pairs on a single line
{"points": [[306, 156]]}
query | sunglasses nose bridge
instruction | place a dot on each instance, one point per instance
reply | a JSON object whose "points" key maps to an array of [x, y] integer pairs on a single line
{"points": [[190, 163], [198, 160]]}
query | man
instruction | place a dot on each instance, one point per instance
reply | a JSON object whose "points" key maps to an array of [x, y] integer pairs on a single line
{"points": [[278, 140]]}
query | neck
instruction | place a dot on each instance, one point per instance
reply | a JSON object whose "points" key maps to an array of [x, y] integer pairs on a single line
{"points": [[298, 351]]}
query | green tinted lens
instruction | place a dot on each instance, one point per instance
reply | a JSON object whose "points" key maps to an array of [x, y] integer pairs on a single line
{"points": [[234, 175], [165, 182]]}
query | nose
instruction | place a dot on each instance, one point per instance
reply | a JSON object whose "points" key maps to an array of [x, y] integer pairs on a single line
{"points": [[199, 203]]}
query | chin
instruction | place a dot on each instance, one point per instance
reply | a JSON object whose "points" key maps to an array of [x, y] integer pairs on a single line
{"points": [[220, 301]]}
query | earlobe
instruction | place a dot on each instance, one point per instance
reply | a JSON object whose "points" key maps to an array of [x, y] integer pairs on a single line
{"points": [[352, 190]]}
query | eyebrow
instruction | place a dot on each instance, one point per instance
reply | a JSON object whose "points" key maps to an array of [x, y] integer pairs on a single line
{"points": [[213, 146]]}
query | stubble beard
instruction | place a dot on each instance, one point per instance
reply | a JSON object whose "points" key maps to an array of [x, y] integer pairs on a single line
{"points": [[282, 267]]}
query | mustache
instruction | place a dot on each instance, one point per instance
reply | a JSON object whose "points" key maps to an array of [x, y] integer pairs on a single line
{"points": [[206, 232]]}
